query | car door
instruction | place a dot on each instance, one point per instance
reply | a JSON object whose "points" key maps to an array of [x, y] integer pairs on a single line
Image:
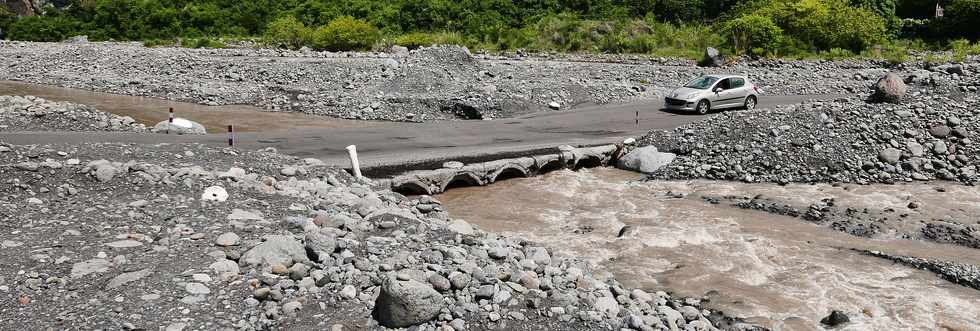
{"points": [[739, 91], [723, 98]]}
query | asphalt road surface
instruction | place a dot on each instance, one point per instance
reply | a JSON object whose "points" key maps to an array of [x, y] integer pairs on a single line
{"points": [[393, 144]]}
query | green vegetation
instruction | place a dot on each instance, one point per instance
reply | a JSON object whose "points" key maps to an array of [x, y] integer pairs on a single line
{"points": [[754, 34], [884, 29], [6, 19], [203, 43], [421, 39], [346, 33], [160, 42], [288, 32]]}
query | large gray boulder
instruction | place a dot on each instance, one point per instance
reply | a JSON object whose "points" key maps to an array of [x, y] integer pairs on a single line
{"points": [[405, 303], [890, 156], [277, 249], [320, 244], [889, 88], [180, 126], [712, 58], [645, 159]]}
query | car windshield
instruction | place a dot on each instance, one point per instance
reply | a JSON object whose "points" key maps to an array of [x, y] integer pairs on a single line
{"points": [[702, 83]]}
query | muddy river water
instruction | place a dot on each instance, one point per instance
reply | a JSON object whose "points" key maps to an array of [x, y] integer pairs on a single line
{"points": [[150, 111], [772, 270]]}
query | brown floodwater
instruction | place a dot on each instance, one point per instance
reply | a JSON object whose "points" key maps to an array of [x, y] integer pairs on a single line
{"points": [[150, 111], [772, 270]]}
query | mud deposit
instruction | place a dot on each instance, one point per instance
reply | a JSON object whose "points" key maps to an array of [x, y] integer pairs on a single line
{"points": [[150, 111], [779, 271]]}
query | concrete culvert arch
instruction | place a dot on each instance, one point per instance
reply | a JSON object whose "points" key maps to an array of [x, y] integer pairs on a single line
{"points": [[462, 179], [551, 166], [510, 172]]}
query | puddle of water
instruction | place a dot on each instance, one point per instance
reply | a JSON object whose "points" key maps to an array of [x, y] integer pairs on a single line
{"points": [[151, 111], [776, 271]]}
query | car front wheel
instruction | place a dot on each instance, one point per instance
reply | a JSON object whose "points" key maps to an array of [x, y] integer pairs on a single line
{"points": [[750, 103], [703, 107]]}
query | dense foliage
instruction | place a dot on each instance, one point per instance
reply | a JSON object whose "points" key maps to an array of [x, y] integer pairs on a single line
{"points": [[6, 19], [664, 27], [346, 33]]}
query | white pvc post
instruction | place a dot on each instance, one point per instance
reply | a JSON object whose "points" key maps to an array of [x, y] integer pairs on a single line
{"points": [[352, 152]]}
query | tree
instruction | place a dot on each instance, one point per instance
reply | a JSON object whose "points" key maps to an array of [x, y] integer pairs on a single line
{"points": [[288, 32], [680, 10], [42, 28], [346, 33], [825, 24], [6, 19], [886, 9], [751, 32], [963, 16], [640, 8]]}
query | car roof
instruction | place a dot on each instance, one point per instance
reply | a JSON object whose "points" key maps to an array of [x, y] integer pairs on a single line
{"points": [[725, 76]]}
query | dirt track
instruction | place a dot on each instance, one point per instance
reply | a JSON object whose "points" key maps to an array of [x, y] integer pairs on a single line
{"points": [[379, 143]]}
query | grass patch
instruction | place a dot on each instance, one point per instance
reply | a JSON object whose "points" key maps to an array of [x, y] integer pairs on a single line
{"points": [[202, 43]]}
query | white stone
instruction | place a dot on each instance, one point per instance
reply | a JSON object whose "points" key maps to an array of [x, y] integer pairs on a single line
{"points": [[215, 193]]}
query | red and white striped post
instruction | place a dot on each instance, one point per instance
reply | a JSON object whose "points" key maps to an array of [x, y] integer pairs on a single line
{"points": [[231, 135], [171, 120]]}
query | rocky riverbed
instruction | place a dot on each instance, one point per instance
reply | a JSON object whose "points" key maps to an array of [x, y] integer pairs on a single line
{"points": [[419, 85], [187, 237], [930, 136], [28, 113]]}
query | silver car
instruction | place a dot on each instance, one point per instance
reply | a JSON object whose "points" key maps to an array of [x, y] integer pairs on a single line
{"points": [[714, 92]]}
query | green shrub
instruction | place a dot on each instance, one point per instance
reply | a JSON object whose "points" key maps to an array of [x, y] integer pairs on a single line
{"points": [[856, 29], [160, 43], [963, 16], [203, 43], [933, 59], [422, 39], [962, 48], [288, 32], [885, 9], [757, 34], [6, 19], [824, 24], [346, 33], [43, 28], [837, 54], [895, 54], [680, 10]]}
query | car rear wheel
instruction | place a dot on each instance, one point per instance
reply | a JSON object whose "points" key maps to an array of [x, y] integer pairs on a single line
{"points": [[703, 107], [750, 103]]}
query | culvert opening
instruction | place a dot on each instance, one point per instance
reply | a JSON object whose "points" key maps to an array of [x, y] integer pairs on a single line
{"points": [[509, 173], [464, 111], [590, 162], [550, 166], [410, 189], [462, 180], [459, 183]]}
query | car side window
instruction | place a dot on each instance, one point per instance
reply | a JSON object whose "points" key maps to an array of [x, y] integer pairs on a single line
{"points": [[738, 82], [724, 84]]}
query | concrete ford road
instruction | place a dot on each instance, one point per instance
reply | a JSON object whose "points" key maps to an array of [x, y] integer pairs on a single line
{"points": [[706, 93], [398, 144]]}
